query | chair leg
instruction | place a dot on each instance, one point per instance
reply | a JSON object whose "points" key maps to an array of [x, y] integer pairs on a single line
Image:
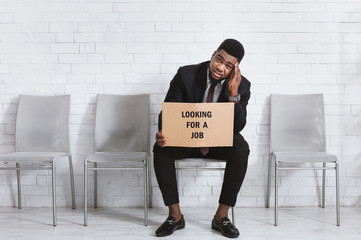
{"points": [[337, 194], [95, 186], [233, 219], [145, 170], [276, 194], [85, 193], [269, 182], [323, 186], [150, 191], [53, 173], [19, 185], [72, 182]]}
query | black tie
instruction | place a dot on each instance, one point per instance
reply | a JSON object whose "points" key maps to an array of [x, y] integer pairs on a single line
{"points": [[205, 150]]}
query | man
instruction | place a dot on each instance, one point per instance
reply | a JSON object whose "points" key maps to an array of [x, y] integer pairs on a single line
{"points": [[218, 80]]}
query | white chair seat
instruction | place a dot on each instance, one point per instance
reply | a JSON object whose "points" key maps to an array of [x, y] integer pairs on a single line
{"points": [[116, 156], [211, 163], [31, 157], [302, 157]]}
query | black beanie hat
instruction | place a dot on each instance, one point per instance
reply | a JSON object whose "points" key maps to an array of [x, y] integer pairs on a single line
{"points": [[233, 48]]}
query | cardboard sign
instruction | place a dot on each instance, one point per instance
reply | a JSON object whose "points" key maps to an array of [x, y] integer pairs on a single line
{"points": [[198, 124]]}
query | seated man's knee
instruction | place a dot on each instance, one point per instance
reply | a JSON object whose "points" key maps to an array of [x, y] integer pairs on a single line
{"points": [[156, 147], [170, 152], [240, 144]]}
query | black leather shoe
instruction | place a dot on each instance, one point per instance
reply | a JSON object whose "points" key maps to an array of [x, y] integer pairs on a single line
{"points": [[225, 227], [169, 226]]}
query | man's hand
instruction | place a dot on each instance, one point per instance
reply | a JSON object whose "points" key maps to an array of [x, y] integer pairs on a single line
{"points": [[234, 81], [161, 139]]}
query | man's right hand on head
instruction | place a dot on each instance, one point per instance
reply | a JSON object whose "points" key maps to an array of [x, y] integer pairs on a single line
{"points": [[161, 139]]}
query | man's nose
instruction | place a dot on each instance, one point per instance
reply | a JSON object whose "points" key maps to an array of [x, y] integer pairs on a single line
{"points": [[220, 67]]}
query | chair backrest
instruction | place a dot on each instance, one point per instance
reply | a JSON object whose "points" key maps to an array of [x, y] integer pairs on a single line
{"points": [[297, 123], [122, 123], [42, 124]]}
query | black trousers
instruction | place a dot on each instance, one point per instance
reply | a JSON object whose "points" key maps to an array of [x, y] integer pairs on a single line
{"points": [[236, 167]]}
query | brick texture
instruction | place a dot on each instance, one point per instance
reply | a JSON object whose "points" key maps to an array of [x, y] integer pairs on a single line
{"points": [[128, 47]]}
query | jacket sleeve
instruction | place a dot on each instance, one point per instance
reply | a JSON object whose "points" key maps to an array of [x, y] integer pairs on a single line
{"points": [[240, 112], [174, 94]]}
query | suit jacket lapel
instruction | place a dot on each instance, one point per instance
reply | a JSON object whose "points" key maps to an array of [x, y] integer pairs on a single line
{"points": [[200, 84]]}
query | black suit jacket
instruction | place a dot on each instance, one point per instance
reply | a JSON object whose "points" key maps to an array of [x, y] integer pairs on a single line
{"points": [[189, 85]]}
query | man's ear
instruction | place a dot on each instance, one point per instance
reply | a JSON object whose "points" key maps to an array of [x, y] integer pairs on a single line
{"points": [[214, 53]]}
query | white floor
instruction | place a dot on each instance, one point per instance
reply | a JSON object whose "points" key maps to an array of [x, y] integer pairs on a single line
{"points": [[127, 223]]}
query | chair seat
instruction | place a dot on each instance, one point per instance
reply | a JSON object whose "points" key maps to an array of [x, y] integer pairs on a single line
{"points": [[32, 157], [200, 162], [117, 156], [304, 157]]}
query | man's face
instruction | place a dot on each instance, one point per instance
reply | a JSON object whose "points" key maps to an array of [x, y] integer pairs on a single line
{"points": [[222, 65]]}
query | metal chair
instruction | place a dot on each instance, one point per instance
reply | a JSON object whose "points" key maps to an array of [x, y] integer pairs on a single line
{"points": [[41, 139], [297, 136], [121, 141], [202, 164]]}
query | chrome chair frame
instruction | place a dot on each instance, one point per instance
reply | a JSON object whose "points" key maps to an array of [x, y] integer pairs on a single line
{"points": [[95, 168], [205, 161]]}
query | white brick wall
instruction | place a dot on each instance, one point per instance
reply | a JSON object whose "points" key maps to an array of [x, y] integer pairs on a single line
{"points": [[128, 47]]}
